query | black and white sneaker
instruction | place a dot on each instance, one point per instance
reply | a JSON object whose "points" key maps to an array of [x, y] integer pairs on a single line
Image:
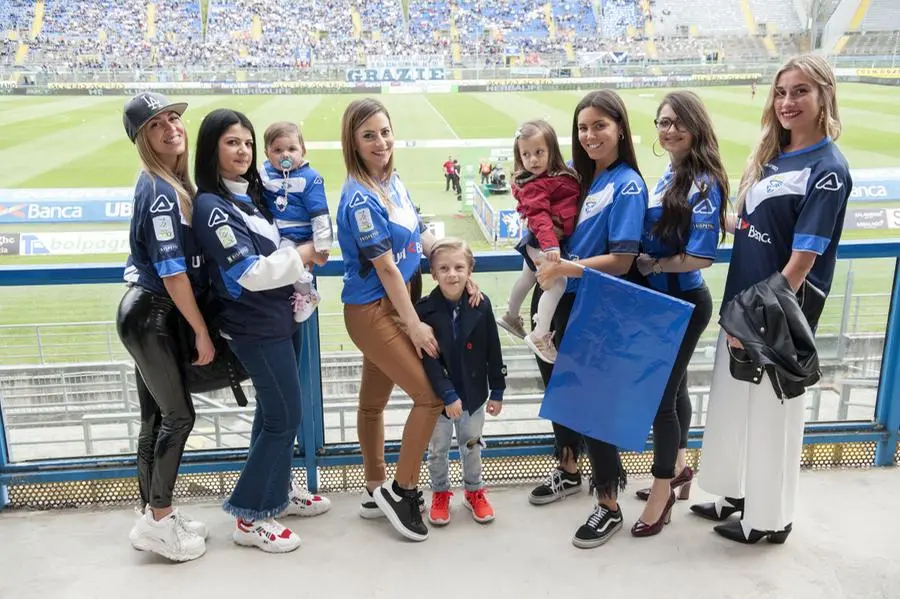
{"points": [[369, 510], [599, 528], [559, 485], [403, 509]]}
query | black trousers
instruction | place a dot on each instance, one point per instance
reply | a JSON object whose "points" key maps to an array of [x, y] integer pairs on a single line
{"points": [[148, 326], [608, 476], [673, 418]]}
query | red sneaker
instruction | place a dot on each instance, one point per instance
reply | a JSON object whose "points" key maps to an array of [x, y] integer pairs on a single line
{"points": [[440, 508], [481, 508]]}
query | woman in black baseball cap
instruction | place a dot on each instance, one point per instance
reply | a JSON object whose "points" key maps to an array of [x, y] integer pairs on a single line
{"points": [[164, 274]]}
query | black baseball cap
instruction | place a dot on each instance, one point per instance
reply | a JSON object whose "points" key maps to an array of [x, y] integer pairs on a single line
{"points": [[143, 107]]}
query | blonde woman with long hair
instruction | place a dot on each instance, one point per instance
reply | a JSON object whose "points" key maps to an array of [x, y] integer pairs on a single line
{"points": [[790, 213], [164, 275], [383, 240]]}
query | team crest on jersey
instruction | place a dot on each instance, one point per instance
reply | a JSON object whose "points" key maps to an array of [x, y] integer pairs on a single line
{"points": [[632, 189], [281, 203], [217, 217], [830, 182], [774, 185], [161, 204]]}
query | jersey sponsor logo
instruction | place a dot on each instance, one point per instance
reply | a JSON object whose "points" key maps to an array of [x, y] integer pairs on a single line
{"points": [[412, 248], [829, 182], [364, 222], [217, 217], [163, 228], [703, 226], [237, 255], [161, 204], [226, 236], [705, 207], [754, 233], [632, 189], [318, 181], [358, 199]]}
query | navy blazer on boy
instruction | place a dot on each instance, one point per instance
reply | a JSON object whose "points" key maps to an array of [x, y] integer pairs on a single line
{"points": [[470, 358]]}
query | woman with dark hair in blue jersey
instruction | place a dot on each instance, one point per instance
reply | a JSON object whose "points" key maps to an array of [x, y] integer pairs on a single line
{"points": [[607, 238], [164, 275], [252, 278], [790, 207], [681, 233]]}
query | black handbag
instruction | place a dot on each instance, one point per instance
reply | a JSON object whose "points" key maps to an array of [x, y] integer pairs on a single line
{"points": [[224, 371]]}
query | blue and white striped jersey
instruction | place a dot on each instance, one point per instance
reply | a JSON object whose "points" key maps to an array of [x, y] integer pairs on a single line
{"points": [[611, 218]]}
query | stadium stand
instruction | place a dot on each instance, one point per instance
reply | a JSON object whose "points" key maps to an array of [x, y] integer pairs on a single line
{"points": [[136, 34]]}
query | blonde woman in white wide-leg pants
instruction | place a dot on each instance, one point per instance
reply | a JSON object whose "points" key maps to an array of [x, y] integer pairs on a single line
{"points": [[751, 448], [790, 207]]}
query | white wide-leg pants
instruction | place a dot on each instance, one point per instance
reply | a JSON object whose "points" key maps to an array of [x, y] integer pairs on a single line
{"points": [[752, 446]]}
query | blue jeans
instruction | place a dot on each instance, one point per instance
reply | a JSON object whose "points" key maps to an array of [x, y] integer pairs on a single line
{"points": [[468, 437], [262, 490]]}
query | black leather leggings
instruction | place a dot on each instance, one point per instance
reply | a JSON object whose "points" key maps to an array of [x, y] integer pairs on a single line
{"points": [[148, 327]]}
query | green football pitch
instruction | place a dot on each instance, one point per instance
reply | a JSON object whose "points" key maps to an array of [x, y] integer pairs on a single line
{"points": [[79, 142]]}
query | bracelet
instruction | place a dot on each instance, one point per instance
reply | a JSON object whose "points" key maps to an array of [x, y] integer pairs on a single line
{"points": [[657, 267]]}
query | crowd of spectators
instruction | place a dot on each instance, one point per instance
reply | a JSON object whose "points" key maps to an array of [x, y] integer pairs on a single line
{"points": [[115, 34]]}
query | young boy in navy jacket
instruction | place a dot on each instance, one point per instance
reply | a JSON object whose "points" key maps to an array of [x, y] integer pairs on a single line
{"points": [[469, 362]]}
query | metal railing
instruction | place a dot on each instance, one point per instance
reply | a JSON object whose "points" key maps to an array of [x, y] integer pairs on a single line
{"points": [[218, 422]]}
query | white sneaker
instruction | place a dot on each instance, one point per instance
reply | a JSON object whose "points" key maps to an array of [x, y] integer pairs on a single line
{"points": [[304, 503], [268, 535], [195, 526], [168, 537], [305, 304]]}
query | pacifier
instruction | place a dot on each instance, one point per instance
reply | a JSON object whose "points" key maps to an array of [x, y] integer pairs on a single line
{"points": [[286, 164]]}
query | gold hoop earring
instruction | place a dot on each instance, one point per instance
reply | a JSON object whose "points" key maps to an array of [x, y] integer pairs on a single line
{"points": [[653, 149]]}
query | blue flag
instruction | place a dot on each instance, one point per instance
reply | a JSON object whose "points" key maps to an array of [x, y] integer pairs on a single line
{"points": [[615, 360]]}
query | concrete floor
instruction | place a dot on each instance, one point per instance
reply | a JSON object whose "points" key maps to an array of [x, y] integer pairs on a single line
{"points": [[845, 544]]}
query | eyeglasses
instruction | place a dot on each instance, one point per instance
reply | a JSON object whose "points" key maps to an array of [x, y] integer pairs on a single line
{"points": [[664, 124]]}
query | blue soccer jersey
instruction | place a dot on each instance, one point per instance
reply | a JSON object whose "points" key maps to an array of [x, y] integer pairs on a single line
{"points": [[160, 240], [703, 237], [251, 276], [297, 201], [611, 218], [366, 230], [798, 204]]}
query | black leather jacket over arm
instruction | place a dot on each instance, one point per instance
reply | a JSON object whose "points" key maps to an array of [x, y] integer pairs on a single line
{"points": [[775, 326]]}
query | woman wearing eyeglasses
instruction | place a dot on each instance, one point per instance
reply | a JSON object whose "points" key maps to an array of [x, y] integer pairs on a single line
{"points": [[682, 228]]}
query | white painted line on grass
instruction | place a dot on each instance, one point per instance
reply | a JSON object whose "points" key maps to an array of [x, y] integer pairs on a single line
{"points": [[441, 116]]}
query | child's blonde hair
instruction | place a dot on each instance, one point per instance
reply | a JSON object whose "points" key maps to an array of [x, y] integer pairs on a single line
{"points": [[556, 166], [282, 129], [452, 244]]}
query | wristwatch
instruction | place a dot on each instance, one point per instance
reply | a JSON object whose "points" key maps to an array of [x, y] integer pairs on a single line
{"points": [[657, 269]]}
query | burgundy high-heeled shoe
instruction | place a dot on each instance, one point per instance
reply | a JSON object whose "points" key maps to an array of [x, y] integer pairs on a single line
{"points": [[642, 529], [681, 484]]}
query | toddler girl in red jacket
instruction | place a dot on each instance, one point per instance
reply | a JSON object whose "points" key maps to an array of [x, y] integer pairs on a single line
{"points": [[546, 192]]}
